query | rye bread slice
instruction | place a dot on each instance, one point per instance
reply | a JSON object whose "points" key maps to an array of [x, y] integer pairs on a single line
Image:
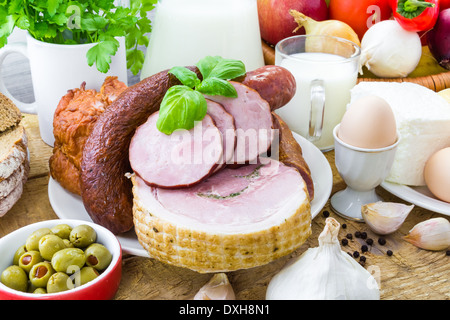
{"points": [[13, 150], [10, 115]]}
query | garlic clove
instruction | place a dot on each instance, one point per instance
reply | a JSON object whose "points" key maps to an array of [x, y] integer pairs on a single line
{"points": [[217, 288], [385, 217], [432, 234]]}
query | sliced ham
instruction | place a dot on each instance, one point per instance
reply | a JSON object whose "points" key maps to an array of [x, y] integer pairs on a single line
{"points": [[235, 219], [181, 159], [225, 123], [253, 121]]}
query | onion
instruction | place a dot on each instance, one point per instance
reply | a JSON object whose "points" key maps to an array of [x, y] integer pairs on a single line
{"points": [[439, 39], [389, 51]]}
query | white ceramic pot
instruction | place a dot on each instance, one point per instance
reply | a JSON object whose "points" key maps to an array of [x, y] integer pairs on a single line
{"points": [[56, 68]]}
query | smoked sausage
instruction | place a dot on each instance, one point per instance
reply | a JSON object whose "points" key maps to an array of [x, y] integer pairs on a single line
{"points": [[290, 153], [105, 189], [275, 84]]}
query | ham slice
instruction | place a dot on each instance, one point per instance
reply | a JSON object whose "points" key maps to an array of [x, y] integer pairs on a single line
{"points": [[181, 159], [225, 123], [235, 219], [253, 121]]}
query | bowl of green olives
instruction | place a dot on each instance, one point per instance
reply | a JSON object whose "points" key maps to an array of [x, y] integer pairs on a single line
{"points": [[60, 259]]}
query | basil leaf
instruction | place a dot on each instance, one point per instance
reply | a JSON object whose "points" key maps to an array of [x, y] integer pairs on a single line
{"points": [[220, 68], [207, 64], [187, 77], [215, 86], [228, 69], [180, 108]]}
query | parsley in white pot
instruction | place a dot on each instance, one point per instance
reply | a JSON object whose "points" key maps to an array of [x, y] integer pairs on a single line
{"points": [[70, 42]]}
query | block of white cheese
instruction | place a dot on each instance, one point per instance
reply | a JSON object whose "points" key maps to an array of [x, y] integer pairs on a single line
{"points": [[423, 121]]}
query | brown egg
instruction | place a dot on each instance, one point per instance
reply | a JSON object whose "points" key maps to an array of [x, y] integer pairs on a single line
{"points": [[368, 123], [437, 174]]}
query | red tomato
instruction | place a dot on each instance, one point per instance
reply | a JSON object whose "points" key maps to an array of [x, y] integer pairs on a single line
{"points": [[444, 4], [361, 14]]}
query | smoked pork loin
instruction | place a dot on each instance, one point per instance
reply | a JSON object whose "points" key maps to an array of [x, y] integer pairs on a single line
{"points": [[235, 219]]}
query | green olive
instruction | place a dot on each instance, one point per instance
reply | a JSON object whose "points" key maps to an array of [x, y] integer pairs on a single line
{"points": [[62, 230], [15, 278], [68, 243], [58, 282], [32, 242], [40, 273], [49, 245], [97, 256], [69, 257], [82, 236], [40, 291], [86, 274], [29, 259], [20, 251]]}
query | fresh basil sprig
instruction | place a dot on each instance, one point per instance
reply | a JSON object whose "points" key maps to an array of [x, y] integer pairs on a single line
{"points": [[185, 104]]}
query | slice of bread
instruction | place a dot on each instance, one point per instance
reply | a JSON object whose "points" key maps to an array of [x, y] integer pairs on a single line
{"points": [[10, 115], [14, 161], [13, 150], [10, 200], [19, 176]]}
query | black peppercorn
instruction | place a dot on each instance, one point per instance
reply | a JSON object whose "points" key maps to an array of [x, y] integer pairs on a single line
{"points": [[389, 253], [363, 235], [349, 236], [356, 254], [447, 252], [369, 241], [344, 226], [364, 248], [382, 241], [362, 258], [344, 242], [326, 214], [357, 234]]}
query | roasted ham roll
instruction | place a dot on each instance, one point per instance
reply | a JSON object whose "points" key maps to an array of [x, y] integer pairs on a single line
{"points": [[235, 219]]}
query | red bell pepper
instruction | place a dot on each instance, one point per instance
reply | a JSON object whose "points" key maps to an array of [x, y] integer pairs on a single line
{"points": [[415, 15], [444, 4]]}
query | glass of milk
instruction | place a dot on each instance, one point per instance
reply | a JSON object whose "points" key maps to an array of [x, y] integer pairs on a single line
{"points": [[325, 69], [186, 31]]}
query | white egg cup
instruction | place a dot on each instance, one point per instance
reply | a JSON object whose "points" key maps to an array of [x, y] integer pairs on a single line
{"points": [[362, 170]]}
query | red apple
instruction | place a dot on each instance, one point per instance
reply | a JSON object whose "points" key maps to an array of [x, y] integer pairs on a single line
{"points": [[276, 23]]}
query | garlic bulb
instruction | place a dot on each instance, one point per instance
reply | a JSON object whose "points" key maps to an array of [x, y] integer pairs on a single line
{"points": [[432, 234], [324, 273], [385, 217], [217, 288]]}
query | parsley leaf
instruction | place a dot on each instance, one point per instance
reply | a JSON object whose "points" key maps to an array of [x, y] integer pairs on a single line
{"points": [[83, 21], [101, 53]]}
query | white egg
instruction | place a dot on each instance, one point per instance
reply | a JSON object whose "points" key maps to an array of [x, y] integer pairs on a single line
{"points": [[437, 174], [368, 123]]}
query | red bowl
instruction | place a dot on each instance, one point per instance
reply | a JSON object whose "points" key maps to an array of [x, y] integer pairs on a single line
{"points": [[104, 287]]}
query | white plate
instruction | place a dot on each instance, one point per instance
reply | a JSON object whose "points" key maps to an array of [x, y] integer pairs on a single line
{"points": [[419, 196], [69, 206]]}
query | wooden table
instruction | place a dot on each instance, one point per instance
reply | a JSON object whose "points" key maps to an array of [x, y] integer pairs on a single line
{"points": [[411, 273]]}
